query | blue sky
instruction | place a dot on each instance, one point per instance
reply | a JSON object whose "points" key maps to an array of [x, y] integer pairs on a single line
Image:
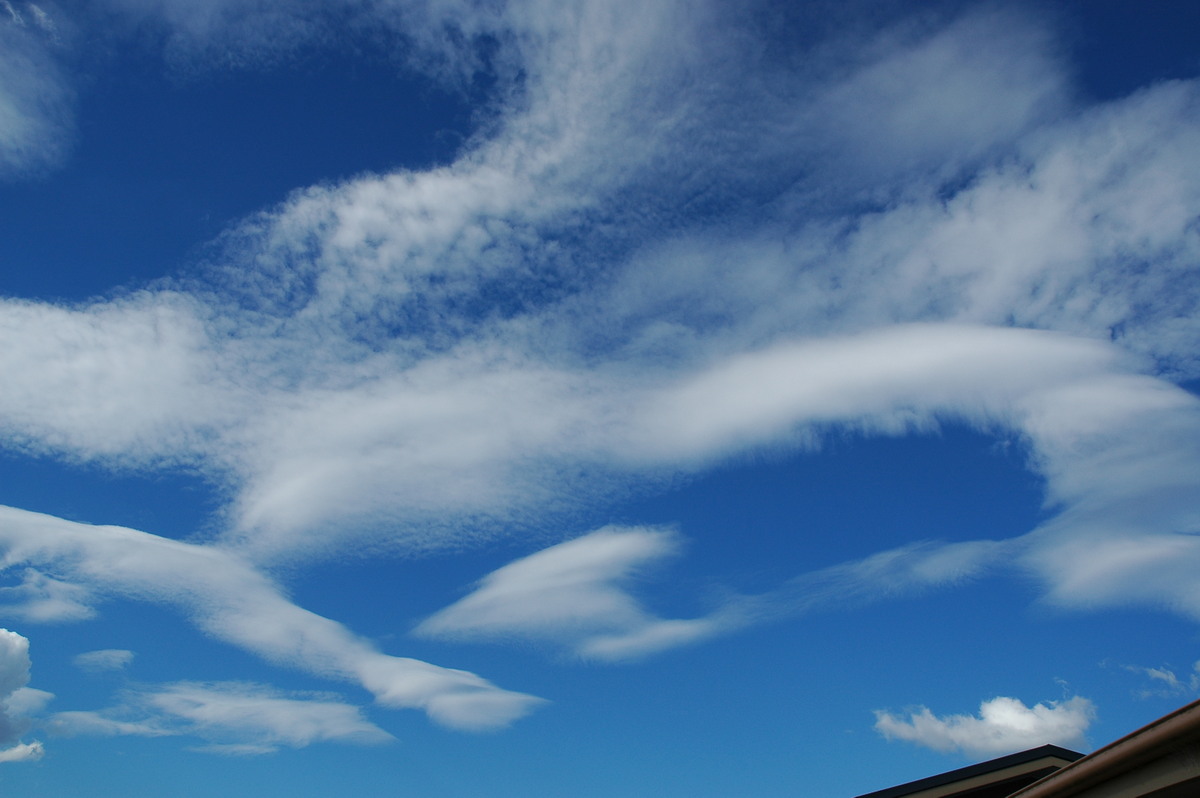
{"points": [[608, 399]]}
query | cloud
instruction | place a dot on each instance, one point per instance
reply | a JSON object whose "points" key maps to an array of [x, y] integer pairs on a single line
{"points": [[243, 718], [437, 38], [562, 588], [99, 724], [1117, 449], [264, 715], [378, 313], [932, 97], [572, 594], [105, 659], [43, 599], [139, 363], [16, 699], [1083, 227], [916, 226], [35, 99], [1074, 401], [232, 601], [224, 33], [28, 701], [1004, 725], [894, 573], [23, 752], [1165, 682]]}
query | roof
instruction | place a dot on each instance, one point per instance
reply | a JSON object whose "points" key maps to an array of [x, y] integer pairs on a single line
{"points": [[1159, 760], [996, 777]]}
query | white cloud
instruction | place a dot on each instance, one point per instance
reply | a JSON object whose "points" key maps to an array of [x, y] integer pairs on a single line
{"points": [[240, 718], [659, 634], [1165, 682], [1118, 451], [264, 715], [23, 752], [930, 97], [86, 723], [573, 593], [42, 599], [1004, 725], [437, 38], [910, 569], [357, 339], [27, 701], [230, 600], [16, 699], [14, 662], [127, 380], [35, 117], [567, 587], [429, 358], [1073, 399], [886, 380], [105, 659]]}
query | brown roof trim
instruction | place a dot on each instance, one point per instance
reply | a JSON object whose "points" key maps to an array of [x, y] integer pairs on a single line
{"points": [[1148, 743]]}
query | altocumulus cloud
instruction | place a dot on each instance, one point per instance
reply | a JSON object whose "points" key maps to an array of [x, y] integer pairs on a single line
{"points": [[1002, 726]]}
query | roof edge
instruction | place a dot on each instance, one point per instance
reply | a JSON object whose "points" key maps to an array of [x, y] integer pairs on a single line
{"points": [[1148, 743], [978, 769]]}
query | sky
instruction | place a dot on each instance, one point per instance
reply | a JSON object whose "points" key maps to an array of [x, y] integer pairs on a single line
{"points": [[469, 397]]}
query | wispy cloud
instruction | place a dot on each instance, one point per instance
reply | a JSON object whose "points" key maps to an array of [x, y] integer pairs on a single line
{"points": [[1165, 681], [23, 752], [1112, 445], [236, 717], [35, 97], [577, 594], [105, 659], [1003, 725], [574, 594], [425, 359], [42, 599], [362, 331], [230, 600], [896, 573], [100, 724]]}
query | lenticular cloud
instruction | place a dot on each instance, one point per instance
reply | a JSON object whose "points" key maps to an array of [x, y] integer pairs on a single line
{"points": [[572, 594]]}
